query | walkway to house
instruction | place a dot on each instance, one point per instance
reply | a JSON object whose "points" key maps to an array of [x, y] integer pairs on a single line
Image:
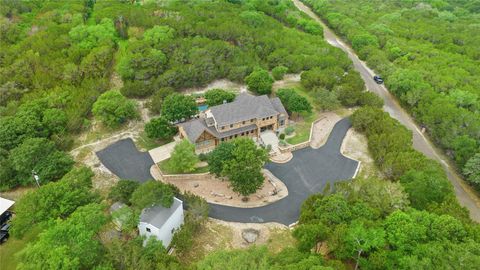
{"points": [[162, 152], [309, 171], [269, 138]]}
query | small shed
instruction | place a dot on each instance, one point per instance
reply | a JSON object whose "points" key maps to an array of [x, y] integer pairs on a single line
{"points": [[121, 213], [161, 222]]}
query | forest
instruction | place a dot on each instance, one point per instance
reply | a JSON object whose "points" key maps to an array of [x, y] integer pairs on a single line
{"points": [[428, 54], [60, 63]]}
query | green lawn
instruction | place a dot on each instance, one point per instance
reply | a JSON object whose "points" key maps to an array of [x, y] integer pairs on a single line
{"points": [[145, 143], [302, 128], [8, 261], [165, 168]]}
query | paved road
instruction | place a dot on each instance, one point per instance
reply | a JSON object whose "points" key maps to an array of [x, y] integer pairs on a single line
{"points": [[420, 142], [124, 160], [307, 173]]}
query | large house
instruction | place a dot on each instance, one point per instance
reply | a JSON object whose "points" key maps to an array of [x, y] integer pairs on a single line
{"points": [[161, 222], [247, 115]]}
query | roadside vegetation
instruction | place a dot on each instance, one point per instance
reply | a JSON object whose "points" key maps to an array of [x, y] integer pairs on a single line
{"points": [[428, 54]]}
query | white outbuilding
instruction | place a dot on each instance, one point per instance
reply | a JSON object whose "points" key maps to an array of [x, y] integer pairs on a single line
{"points": [[161, 222]]}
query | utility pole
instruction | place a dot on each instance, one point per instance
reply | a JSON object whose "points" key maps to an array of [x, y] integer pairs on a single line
{"points": [[36, 177]]}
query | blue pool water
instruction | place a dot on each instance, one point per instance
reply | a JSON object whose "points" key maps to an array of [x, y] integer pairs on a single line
{"points": [[203, 107]]}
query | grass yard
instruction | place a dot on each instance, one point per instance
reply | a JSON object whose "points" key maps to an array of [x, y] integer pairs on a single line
{"points": [[302, 128], [166, 169], [8, 261], [145, 143], [304, 122]]}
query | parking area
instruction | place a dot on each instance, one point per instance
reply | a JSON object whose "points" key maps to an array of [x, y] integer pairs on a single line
{"points": [[307, 173]]}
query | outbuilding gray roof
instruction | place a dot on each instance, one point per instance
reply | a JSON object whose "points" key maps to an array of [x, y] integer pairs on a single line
{"points": [[157, 215], [245, 107]]}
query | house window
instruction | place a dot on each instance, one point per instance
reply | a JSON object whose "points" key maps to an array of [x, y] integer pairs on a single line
{"points": [[148, 229], [223, 127], [282, 122], [236, 135], [243, 133], [230, 137], [252, 120], [243, 123], [231, 125], [222, 139]]}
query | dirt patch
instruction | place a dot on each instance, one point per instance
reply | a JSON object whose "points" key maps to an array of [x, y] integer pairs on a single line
{"points": [[216, 235], [322, 128], [288, 81], [217, 84], [215, 190], [17, 193], [269, 234], [355, 146]]}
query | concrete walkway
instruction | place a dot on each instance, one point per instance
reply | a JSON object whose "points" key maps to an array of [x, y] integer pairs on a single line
{"points": [[162, 152]]}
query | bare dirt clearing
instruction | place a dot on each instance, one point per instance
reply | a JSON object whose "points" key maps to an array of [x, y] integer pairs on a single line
{"points": [[218, 235], [322, 128], [355, 146]]}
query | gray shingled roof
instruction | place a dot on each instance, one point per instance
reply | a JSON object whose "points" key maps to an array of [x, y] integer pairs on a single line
{"points": [[194, 128], [157, 215], [243, 108]]}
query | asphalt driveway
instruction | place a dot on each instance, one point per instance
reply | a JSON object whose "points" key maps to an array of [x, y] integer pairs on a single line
{"points": [[124, 160], [305, 174]]}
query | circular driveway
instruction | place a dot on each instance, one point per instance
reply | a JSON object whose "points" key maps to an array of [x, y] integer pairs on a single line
{"points": [[305, 174]]}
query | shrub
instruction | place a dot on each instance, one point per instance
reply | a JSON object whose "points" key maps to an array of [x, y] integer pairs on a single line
{"points": [[113, 109], [122, 191], [282, 136], [259, 81], [278, 72], [289, 130], [160, 128]]}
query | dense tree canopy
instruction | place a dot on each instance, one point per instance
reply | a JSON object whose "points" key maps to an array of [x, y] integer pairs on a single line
{"points": [[428, 54], [53, 201]]}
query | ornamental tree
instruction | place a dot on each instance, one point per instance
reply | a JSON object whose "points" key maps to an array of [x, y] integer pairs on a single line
{"points": [[244, 168], [183, 158]]}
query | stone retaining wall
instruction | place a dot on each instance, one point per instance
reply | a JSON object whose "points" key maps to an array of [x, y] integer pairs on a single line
{"points": [[301, 145]]}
